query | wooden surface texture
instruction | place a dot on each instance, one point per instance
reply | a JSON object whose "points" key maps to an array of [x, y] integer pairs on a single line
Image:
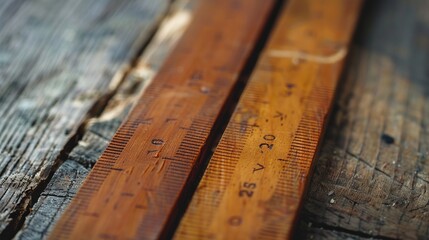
{"points": [[66, 86], [372, 177], [59, 63]]}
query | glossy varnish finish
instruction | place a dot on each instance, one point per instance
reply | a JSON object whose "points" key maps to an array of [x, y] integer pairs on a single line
{"points": [[135, 185], [255, 181]]}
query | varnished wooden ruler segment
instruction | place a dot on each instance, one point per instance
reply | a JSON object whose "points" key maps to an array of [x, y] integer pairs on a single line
{"points": [[255, 180], [135, 185]]}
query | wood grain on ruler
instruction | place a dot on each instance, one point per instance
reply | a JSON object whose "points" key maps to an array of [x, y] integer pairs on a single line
{"points": [[255, 180], [135, 184]]}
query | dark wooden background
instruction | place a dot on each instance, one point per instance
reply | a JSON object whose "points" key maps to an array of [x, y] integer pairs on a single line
{"points": [[372, 177]]}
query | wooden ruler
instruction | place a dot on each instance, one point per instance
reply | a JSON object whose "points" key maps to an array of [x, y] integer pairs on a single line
{"points": [[134, 188], [255, 180]]}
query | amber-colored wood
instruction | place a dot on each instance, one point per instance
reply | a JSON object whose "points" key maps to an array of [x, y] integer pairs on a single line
{"points": [[135, 185], [253, 186]]}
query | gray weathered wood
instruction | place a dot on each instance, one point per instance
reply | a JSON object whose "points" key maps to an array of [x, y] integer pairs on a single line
{"points": [[59, 62], [318, 233], [70, 175], [372, 177]]}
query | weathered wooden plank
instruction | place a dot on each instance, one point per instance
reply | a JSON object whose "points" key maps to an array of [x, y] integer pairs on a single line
{"points": [[59, 62], [371, 179], [70, 175]]}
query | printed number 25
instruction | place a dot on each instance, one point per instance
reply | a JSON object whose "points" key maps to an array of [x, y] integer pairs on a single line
{"points": [[247, 189]]}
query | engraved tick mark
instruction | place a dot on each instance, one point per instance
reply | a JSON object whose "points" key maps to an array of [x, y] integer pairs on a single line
{"points": [[117, 169], [279, 115], [258, 168], [146, 121], [289, 87], [150, 151], [127, 194], [196, 76]]}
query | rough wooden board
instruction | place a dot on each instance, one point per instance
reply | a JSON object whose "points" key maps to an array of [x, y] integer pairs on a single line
{"points": [[59, 61], [54, 200], [322, 234], [372, 177], [70, 175]]}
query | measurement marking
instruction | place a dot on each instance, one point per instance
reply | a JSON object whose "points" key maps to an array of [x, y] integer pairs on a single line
{"points": [[127, 194], [96, 215], [117, 169]]}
